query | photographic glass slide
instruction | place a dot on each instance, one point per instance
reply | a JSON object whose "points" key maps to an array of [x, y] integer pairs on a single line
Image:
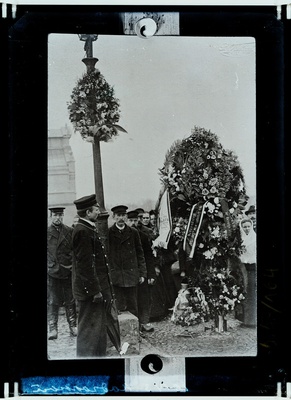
{"points": [[166, 124]]}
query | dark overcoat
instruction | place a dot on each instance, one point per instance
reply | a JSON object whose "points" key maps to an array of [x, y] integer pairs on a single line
{"points": [[91, 275], [59, 251], [91, 272], [150, 259], [127, 261]]}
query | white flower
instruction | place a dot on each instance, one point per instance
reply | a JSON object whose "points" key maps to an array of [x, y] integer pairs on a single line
{"points": [[211, 207], [215, 232], [231, 302], [208, 255], [214, 250]]}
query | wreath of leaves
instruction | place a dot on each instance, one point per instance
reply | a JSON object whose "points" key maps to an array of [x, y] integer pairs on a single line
{"points": [[198, 170], [93, 109]]}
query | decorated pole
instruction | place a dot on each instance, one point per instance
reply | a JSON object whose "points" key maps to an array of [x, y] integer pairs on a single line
{"points": [[94, 113], [102, 222]]}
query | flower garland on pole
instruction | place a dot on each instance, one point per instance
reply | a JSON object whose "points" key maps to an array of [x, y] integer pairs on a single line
{"points": [[94, 113], [207, 189], [93, 109]]}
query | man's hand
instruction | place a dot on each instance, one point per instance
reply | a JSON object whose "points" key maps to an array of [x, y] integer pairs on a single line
{"points": [[98, 298], [141, 280], [151, 281]]}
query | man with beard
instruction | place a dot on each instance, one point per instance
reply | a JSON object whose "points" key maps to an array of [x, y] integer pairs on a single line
{"points": [[127, 262], [59, 265]]}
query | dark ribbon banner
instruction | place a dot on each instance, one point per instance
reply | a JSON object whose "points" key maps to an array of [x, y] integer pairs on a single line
{"points": [[193, 228], [226, 216]]}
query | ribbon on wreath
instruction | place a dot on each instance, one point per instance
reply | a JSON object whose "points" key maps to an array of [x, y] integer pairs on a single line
{"points": [[164, 222], [226, 217], [193, 228]]}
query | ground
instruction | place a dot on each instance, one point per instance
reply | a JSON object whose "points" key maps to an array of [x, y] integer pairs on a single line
{"points": [[169, 339]]}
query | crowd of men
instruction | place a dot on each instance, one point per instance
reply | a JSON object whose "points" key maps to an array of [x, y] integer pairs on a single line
{"points": [[86, 276], [89, 277]]}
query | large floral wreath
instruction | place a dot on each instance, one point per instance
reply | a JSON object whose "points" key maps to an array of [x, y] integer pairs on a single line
{"points": [[207, 195], [93, 109], [206, 187]]}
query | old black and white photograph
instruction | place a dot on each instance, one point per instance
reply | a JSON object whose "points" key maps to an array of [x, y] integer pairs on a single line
{"points": [[151, 237]]}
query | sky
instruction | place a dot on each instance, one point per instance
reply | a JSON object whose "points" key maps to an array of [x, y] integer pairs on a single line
{"points": [[166, 86]]}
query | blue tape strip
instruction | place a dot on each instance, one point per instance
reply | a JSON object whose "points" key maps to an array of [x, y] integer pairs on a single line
{"points": [[65, 385]]}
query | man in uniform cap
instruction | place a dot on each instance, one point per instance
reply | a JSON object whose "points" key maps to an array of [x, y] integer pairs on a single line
{"points": [[91, 280], [140, 212], [119, 209], [59, 265], [127, 262]]}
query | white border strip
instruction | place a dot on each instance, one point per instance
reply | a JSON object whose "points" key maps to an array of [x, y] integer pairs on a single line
{"points": [[152, 2], [275, 3]]}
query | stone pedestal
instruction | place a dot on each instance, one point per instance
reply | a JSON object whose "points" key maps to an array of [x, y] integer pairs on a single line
{"points": [[129, 332]]}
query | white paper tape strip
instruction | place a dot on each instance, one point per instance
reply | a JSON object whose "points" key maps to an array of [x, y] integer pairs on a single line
{"points": [[148, 24], [155, 374]]}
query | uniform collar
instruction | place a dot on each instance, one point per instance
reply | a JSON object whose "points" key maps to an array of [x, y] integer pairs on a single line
{"points": [[88, 222]]}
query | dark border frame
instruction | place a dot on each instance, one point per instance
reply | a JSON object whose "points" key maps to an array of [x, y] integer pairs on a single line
{"points": [[24, 43]]}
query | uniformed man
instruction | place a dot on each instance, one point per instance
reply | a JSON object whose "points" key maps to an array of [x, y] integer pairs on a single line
{"points": [[127, 261], [91, 280], [59, 269]]}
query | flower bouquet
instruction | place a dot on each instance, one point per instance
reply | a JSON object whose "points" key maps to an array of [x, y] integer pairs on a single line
{"points": [[217, 295]]}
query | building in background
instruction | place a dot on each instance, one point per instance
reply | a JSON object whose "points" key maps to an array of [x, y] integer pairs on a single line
{"points": [[61, 172]]}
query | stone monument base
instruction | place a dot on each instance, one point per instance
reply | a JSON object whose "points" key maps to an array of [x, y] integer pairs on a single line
{"points": [[129, 332]]}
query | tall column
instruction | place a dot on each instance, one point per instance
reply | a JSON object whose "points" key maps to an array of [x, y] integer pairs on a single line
{"points": [[102, 222]]}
